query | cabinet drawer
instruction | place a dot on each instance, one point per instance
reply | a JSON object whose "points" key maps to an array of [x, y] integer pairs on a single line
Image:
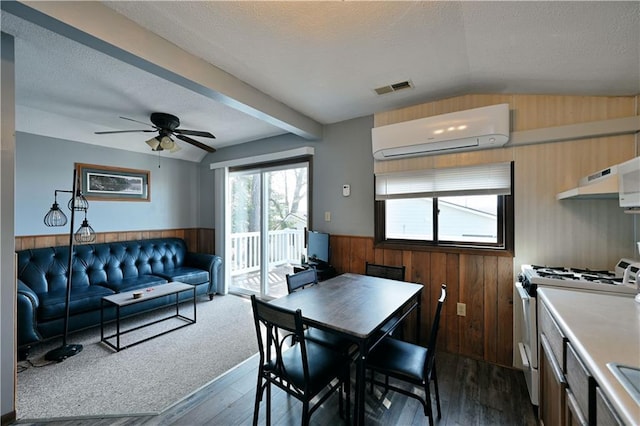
{"points": [[605, 416], [554, 335], [575, 416], [578, 379]]}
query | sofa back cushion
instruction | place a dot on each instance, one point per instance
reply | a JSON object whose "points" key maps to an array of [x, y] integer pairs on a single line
{"points": [[45, 269]]}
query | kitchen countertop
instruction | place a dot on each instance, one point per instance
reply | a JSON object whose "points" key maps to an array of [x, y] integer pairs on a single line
{"points": [[602, 328]]}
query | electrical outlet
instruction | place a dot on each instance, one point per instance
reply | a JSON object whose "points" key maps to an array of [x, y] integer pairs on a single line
{"points": [[327, 216], [462, 309]]}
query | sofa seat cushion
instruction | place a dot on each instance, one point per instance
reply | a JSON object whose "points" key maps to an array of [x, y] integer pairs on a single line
{"points": [[134, 283], [52, 303], [185, 275]]}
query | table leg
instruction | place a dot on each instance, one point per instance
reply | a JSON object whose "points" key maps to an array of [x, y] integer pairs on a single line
{"points": [[418, 316], [101, 320], [194, 304], [118, 329], [360, 383]]}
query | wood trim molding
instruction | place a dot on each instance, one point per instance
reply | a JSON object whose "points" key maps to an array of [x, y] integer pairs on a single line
{"points": [[592, 129], [201, 240]]}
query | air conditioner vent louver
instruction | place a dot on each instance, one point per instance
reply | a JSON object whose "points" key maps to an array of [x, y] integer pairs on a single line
{"points": [[393, 87]]}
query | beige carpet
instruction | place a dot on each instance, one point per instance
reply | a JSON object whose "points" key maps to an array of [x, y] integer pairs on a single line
{"points": [[143, 379]]}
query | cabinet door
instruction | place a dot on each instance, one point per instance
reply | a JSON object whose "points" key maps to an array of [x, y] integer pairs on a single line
{"points": [[552, 387], [605, 414], [574, 413]]}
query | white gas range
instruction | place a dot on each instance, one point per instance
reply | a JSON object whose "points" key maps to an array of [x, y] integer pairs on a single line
{"points": [[584, 279], [621, 280]]}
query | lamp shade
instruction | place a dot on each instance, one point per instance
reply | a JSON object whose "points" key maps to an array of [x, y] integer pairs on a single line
{"points": [[167, 143], [154, 143], [79, 203], [55, 216], [85, 234]]}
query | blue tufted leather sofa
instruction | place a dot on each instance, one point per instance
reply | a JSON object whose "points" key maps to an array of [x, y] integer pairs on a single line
{"points": [[100, 270]]}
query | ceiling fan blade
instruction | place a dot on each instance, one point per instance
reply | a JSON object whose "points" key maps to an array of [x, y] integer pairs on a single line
{"points": [[136, 121], [195, 143], [124, 131], [194, 133]]}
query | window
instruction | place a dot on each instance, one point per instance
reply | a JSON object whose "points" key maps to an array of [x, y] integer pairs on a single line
{"points": [[468, 207]]}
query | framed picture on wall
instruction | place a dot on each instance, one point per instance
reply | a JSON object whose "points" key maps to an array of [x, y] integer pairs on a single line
{"points": [[107, 183]]}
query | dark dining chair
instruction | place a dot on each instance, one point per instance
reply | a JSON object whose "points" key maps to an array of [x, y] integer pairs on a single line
{"points": [[300, 281], [301, 368], [393, 273], [385, 271], [410, 363]]}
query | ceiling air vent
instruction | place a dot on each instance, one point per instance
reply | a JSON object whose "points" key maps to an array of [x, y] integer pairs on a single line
{"points": [[393, 87]]}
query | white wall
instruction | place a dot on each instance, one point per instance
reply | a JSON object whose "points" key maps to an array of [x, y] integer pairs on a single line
{"points": [[7, 242]]}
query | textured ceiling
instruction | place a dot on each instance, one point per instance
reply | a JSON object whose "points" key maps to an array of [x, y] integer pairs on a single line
{"points": [[323, 59]]}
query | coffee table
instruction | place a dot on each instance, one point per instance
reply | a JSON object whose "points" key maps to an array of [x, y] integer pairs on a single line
{"points": [[126, 298]]}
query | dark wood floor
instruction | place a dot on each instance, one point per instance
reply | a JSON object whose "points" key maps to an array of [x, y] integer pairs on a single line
{"points": [[472, 393]]}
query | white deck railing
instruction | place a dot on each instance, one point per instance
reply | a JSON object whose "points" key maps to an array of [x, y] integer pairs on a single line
{"points": [[285, 246]]}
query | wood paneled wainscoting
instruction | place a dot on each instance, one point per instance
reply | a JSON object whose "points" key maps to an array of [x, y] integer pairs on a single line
{"points": [[483, 282], [199, 240]]}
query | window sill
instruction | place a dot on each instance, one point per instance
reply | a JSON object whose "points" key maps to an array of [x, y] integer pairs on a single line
{"points": [[482, 251]]}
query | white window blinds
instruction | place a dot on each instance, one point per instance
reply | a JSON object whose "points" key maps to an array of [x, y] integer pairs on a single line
{"points": [[484, 179]]}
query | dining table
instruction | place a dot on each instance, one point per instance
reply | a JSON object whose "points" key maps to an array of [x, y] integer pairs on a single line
{"points": [[357, 307]]}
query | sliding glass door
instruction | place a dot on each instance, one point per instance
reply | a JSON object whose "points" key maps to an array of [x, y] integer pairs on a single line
{"points": [[268, 215]]}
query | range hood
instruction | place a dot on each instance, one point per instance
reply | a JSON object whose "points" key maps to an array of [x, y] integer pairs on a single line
{"points": [[601, 184]]}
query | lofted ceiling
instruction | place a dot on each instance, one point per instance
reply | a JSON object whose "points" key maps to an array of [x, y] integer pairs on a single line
{"points": [[249, 70]]}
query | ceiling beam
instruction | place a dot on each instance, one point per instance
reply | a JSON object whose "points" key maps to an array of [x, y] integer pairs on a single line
{"points": [[106, 31]]}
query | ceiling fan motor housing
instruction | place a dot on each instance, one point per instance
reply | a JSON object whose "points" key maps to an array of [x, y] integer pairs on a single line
{"points": [[165, 121]]}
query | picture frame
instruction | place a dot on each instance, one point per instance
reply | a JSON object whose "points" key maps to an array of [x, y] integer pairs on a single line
{"points": [[105, 183]]}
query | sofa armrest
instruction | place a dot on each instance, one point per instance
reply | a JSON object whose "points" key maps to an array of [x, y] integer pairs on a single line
{"points": [[27, 308], [208, 262]]}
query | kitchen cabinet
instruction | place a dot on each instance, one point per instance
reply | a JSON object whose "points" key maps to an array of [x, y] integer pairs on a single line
{"points": [[574, 415], [580, 334], [552, 387], [552, 379], [581, 385], [606, 414]]}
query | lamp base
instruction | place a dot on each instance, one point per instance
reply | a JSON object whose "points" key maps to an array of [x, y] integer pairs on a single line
{"points": [[63, 352]]}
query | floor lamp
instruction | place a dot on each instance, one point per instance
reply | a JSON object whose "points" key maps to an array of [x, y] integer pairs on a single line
{"points": [[85, 234]]}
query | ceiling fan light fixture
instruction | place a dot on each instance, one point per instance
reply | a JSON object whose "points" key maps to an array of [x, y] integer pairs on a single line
{"points": [[175, 148], [154, 143], [167, 143]]}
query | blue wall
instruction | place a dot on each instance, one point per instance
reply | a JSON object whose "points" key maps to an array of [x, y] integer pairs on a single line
{"points": [[44, 164], [182, 192], [343, 156]]}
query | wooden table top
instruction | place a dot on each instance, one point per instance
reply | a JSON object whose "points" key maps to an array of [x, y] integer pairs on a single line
{"points": [[353, 304]]}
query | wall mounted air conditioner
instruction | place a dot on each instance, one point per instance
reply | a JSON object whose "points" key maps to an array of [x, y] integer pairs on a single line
{"points": [[478, 128]]}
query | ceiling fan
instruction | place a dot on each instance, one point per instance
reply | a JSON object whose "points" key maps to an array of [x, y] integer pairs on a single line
{"points": [[167, 125]]}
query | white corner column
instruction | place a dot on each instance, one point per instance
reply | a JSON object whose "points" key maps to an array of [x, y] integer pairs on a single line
{"points": [[7, 237]]}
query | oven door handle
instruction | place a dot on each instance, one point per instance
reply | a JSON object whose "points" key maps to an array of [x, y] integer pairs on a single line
{"points": [[522, 292], [523, 355]]}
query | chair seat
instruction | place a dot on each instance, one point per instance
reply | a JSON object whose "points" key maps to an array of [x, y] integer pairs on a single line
{"points": [[326, 365], [398, 358]]}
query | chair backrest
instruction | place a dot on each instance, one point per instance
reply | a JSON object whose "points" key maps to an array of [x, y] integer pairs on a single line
{"points": [[385, 271], [275, 320], [301, 279], [433, 336]]}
